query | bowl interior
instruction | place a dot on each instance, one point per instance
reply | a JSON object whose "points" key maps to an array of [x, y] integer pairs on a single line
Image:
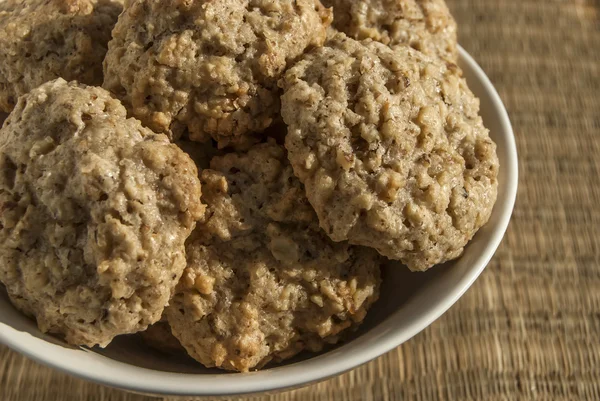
{"points": [[409, 302]]}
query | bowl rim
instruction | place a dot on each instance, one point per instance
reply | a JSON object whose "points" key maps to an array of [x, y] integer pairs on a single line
{"points": [[142, 380]]}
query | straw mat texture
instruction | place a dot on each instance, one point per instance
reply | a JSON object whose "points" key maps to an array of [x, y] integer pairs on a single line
{"points": [[530, 326]]}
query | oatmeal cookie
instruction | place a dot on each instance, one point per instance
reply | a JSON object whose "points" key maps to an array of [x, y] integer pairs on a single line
{"points": [[209, 67], [425, 25], [95, 213], [263, 282], [391, 149], [41, 40]]}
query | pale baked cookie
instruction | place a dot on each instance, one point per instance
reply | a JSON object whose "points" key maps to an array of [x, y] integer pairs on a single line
{"points": [[425, 25], [263, 282], [95, 213], [209, 67], [391, 149], [41, 40]]}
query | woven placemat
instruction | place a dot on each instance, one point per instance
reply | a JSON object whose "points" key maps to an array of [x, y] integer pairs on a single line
{"points": [[530, 326]]}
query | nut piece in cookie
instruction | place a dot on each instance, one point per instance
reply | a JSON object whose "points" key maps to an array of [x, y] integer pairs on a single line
{"points": [[425, 25], [95, 210], [263, 282], [391, 149], [210, 67], [41, 40]]}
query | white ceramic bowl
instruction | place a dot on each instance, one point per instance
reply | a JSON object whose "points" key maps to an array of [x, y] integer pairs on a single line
{"points": [[409, 303]]}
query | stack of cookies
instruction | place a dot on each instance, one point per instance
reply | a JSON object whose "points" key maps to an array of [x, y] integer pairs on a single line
{"points": [[227, 177]]}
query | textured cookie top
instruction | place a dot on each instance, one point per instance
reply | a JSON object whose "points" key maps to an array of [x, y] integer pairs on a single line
{"points": [[41, 40], [391, 149], [95, 213], [262, 282], [425, 25], [209, 66]]}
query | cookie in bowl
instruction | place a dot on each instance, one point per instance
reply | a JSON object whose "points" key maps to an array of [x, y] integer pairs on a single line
{"points": [[42, 40], [263, 282], [391, 149], [95, 213], [425, 25], [209, 67]]}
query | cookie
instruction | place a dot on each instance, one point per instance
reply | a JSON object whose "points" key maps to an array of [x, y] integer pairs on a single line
{"points": [[263, 282], [425, 25], [209, 68], [391, 149], [42, 40], [95, 213]]}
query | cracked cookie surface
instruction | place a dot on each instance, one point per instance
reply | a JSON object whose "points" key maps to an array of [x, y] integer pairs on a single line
{"points": [[209, 68], [263, 282], [391, 149], [42, 40], [425, 25], [95, 213]]}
